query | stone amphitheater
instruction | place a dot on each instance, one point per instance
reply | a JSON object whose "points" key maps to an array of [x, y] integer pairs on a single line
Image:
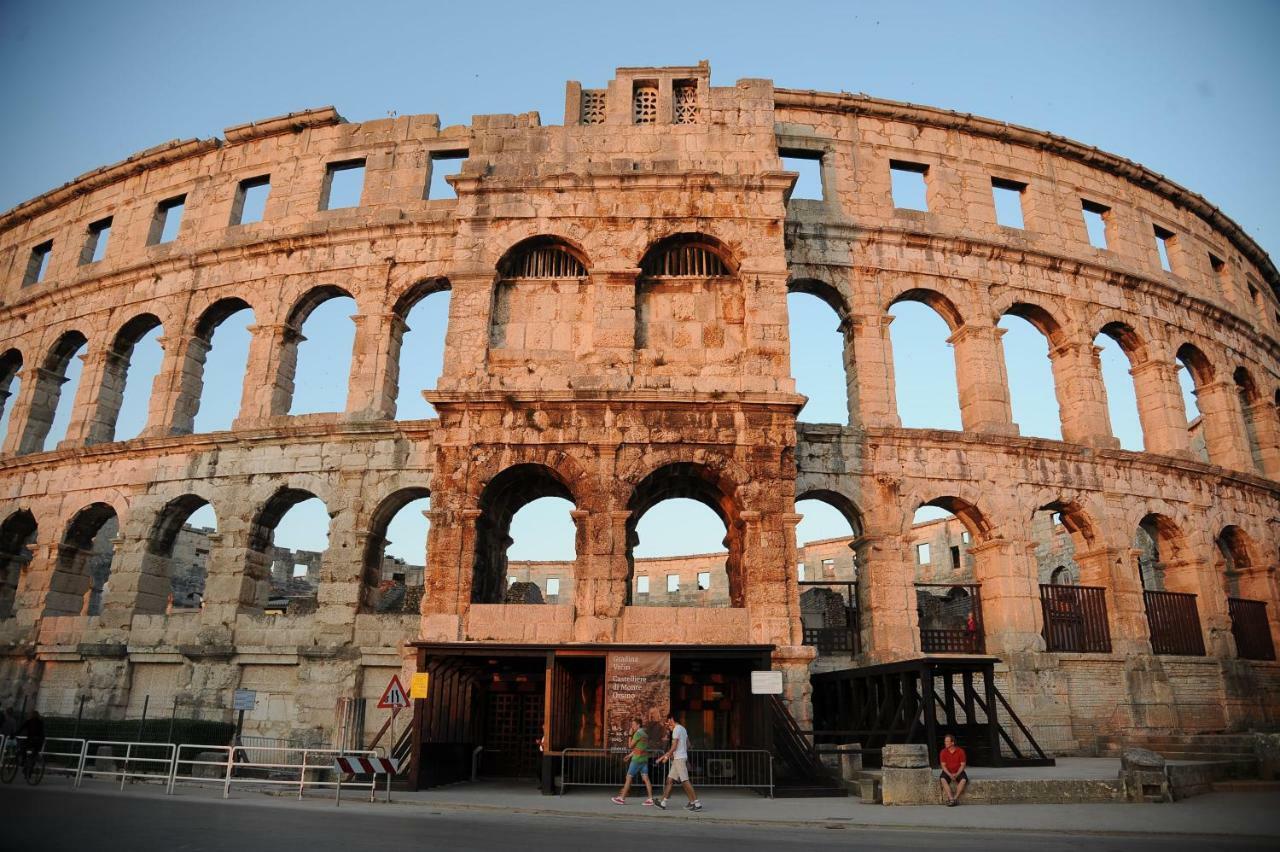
{"points": [[618, 336]]}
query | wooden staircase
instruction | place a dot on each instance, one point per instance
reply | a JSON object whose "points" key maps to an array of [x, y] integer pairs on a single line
{"points": [[799, 772]]}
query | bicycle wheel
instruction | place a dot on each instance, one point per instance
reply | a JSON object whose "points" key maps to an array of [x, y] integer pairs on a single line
{"points": [[37, 771], [8, 765]]}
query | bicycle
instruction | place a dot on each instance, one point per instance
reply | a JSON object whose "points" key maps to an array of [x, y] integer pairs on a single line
{"points": [[33, 772]]}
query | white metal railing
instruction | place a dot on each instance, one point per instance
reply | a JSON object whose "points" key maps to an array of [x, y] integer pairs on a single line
{"points": [[149, 767], [597, 767]]}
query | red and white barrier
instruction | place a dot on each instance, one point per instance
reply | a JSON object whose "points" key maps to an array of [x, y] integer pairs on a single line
{"points": [[354, 765]]}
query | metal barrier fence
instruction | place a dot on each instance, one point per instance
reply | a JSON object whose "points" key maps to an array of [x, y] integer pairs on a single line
{"points": [[66, 760], [143, 761], [598, 767]]}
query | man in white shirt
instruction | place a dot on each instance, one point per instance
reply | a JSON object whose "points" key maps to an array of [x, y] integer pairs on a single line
{"points": [[678, 755]]}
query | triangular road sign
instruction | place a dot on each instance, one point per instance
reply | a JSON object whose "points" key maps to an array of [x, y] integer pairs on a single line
{"points": [[394, 696]]}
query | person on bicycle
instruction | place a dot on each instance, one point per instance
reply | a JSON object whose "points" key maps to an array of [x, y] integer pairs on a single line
{"points": [[33, 730]]}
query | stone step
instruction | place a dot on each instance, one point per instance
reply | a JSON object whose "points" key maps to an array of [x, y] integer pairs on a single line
{"points": [[1245, 785]]}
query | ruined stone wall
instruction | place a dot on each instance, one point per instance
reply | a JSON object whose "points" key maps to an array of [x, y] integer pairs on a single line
{"points": [[615, 384]]}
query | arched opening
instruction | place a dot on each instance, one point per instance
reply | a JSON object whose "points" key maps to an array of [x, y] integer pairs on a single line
{"points": [[217, 358], [395, 556], [1171, 585], [17, 537], [1234, 562], [83, 568], [504, 496], [10, 387], [543, 550], [687, 298], [948, 600], [924, 364], [132, 365], [1250, 595], [1249, 396], [540, 298], [288, 542], [176, 564], [316, 362], [1028, 333], [1119, 353], [684, 546], [55, 393], [1062, 576], [1159, 544], [818, 351], [827, 571], [1194, 373], [417, 347]]}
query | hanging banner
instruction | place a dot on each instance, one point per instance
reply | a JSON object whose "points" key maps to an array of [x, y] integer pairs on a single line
{"points": [[636, 683]]}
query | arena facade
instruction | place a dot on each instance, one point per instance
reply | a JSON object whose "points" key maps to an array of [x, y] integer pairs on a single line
{"points": [[618, 336]]}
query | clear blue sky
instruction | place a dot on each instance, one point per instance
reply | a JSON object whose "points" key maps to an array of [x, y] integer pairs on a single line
{"points": [[1188, 89]]}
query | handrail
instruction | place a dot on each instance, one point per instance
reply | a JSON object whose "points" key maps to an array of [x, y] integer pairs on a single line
{"points": [[599, 767]]}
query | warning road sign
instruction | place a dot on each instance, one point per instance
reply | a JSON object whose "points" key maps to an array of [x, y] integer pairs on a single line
{"points": [[394, 697]]}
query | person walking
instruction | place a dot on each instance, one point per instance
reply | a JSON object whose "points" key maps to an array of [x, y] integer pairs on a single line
{"points": [[953, 761], [637, 763], [678, 756]]}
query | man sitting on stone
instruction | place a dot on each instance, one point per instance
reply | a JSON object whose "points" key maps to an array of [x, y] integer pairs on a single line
{"points": [[953, 761]]}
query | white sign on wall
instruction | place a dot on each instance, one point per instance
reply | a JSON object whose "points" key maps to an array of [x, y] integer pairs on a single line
{"points": [[766, 683]]}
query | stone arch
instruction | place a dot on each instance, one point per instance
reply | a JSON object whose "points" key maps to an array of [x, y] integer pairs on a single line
{"points": [[48, 389], [1062, 576], [973, 520], [842, 504], [261, 537], [541, 284], [1026, 380], [17, 536], [925, 390], [158, 582], [1252, 407], [941, 304], [500, 499], [283, 400], [195, 353], [1163, 549], [10, 386], [430, 292], [689, 282], [115, 375], [375, 548], [812, 382], [84, 563], [827, 293], [1205, 431], [692, 481]]}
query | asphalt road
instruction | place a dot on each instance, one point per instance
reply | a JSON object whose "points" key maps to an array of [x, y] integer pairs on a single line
{"points": [[83, 821]]}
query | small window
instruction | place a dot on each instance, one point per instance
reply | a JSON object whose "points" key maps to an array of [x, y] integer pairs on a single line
{"points": [[251, 200], [299, 569], [922, 554], [1095, 222], [1008, 198], [444, 164], [593, 104], [38, 263], [1254, 295], [553, 587], [684, 101], [909, 187], [809, 164], [95, 243], [964, 536], [1220, 272], [644, 102], [955, 557], [1164, 246], [642, 584], [1057, 519], [343, 185], [800, 571], [673, 583], [828, 568], [704, 580], [167, 221]]}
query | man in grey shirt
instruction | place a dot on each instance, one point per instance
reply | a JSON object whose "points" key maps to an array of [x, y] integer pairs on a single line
{"points": [[678, 756]]}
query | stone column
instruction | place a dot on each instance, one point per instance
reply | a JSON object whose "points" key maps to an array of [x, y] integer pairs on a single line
{"points": [[1200, 579], [888, 624], [1114, 570], [32, 413], [614, 326], [237, 579], [868, 363], [1160, 409], [139, 584], [1266, 429], [598, 590], [1082, 395], [98, 400], [32, 596], [466, 341], [1010, 597], [268, 376], [1224, 429], [175, 394], [375, 366], [981, 380]]}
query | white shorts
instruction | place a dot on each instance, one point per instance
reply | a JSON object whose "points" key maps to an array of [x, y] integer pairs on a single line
{"points": [[679, 769]]}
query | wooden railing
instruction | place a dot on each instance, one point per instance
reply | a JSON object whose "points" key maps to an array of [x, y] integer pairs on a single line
{"points": [[1175, 623], [1251, 630], [950, 618], [834, 628], [1075, 619]]}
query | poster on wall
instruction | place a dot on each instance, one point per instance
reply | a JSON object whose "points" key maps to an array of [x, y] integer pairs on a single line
{"points": [[637, 683]]}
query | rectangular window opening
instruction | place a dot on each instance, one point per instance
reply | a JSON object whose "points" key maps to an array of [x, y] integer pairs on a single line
{"points": [[444, 164], [167, 221], [799, 570], [38, 263], [704, 580], [251, 200], [1095, 222], [910, 190], [299, 569], [964, 536], [809, 164], [673, 583], [922, 554], [642, 584], [1255, 295], [828, 568], [343, 185], [1164, 244], [955, 557], [1008, 198], [553, 587], [95, 243]]}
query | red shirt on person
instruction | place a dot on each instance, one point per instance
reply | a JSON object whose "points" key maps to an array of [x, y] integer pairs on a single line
{"points": [[952, 759]]}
